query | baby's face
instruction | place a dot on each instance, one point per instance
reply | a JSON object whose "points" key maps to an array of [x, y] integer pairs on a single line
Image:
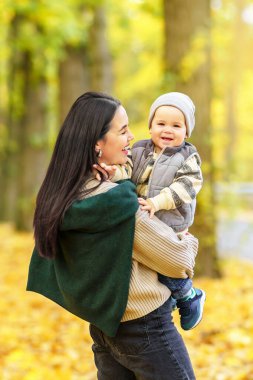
{"points": [[168, 127]]}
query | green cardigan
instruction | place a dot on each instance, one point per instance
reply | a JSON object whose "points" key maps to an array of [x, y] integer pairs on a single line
{"points": [[90, 275]]}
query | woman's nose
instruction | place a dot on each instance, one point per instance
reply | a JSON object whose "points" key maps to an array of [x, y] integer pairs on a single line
{"points": [[130, 135]]}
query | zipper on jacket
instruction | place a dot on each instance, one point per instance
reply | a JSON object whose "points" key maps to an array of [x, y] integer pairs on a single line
{"points": [[151, 175]]}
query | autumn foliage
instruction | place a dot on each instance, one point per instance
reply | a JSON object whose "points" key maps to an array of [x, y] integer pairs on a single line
{"points": [[39, 340]]}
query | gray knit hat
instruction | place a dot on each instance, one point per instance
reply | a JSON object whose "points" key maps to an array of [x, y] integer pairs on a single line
{"points": [[180, 101]]}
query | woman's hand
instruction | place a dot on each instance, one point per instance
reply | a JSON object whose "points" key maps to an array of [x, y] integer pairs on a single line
{"points": [[107, 171], [147, 206]]}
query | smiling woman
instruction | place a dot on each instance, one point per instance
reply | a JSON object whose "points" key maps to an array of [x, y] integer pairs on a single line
{"points": [[113, 148], [97, 254]]}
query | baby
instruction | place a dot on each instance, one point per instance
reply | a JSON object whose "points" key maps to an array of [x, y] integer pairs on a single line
{"points": [[166, 171]]}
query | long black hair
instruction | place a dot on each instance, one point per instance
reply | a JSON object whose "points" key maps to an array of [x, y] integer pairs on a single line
{"points": [[71, 165]]}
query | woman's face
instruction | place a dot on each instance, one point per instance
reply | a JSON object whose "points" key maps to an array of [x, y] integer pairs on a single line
{"points": [[115, 144]]}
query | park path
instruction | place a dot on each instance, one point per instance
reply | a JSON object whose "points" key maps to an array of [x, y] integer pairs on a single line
{"points": [[235, 236], [235, 227]]}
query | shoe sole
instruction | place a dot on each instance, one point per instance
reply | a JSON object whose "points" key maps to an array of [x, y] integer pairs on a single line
{"points": [[202, 302]]}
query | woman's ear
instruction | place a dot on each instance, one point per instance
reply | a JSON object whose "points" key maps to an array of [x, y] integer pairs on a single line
{"points": [[97, 147], [98, 150]]}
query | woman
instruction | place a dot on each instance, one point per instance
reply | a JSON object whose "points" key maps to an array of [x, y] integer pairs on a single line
{"points": [[97, 254]]}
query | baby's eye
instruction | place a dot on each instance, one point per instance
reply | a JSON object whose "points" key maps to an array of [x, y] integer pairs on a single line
{"points": [[162, 124], [176, 126]]}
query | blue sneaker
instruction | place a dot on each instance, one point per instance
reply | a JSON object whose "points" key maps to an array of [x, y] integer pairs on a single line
{"points": [[191, 310]]}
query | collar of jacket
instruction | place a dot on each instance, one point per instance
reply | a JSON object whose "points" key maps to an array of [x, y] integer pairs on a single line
{"points": [[167, 151]]}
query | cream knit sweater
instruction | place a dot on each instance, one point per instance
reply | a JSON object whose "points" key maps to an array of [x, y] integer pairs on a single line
{"points": [[157, 249]]}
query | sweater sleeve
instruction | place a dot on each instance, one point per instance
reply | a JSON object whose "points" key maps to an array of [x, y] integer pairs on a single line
{"points": [[158, 247], [123, 171], [185, 187]]}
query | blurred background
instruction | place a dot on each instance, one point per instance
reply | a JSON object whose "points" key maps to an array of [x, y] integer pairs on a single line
{"points": [[53, 51]]}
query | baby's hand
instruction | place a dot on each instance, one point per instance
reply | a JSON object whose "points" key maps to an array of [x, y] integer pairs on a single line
{"points": [[108, 171], [147, 206]]}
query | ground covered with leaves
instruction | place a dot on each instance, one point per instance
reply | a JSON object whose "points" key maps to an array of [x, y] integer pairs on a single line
{"points": [[39, 340]]}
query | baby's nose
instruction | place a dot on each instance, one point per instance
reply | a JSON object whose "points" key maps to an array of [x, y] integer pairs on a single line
{"points": [[168, 128]]}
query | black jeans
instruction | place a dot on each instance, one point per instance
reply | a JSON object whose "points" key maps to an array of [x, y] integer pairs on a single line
{"points": [[147, 348]]}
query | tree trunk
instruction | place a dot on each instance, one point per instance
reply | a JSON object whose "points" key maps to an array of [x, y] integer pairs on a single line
{"points": [[74, 78], [87, 67], [33, 143], [3, 137], [25, 158], [233, 89], [100, 57], [187, 69], [10, 156]]}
